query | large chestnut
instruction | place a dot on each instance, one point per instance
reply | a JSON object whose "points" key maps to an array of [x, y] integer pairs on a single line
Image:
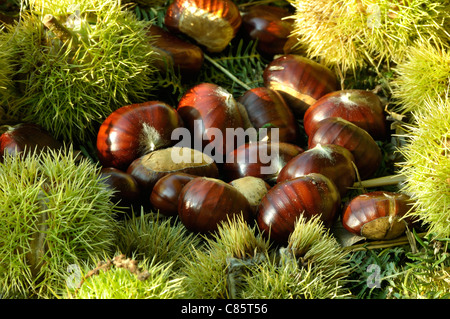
{"points": [[184, 56], [341, 132], [212, 23], [26, 137], [149, 168], [333, 161], [212, 115], [134, 130], [165, 193], [301, 81], [266, 108], [377, 215], [206, 202], [362, 108], [308, 195], [260, 159], [269, 25]]}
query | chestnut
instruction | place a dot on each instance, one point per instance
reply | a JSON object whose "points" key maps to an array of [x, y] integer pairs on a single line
{"points": [[134, 130], [377, 215], [210, 112], [269, 26], [149, 168], [206, 202], [184, 56], [211, 23], [165, 193], [307, 195], [127, 194], [333, 161], [365, 150], [267, 108], [253, 188], [26, 137], [301, 81], [259, 159], [362, 108]]}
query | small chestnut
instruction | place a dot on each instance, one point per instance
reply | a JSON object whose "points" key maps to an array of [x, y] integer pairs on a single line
{"points": [[333, 161], [253, 188], [206, 202], [308, 195], [301, 81], [134, 130], [377, 215], [365, 150], [212, 23], [362, 108]]}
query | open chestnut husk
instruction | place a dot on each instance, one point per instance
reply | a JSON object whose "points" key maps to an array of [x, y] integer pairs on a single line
{"points": [[26, 137], [377, 215], [301, 81], [266, 108], [308, 195], [333, 161], [365, 150], [206, 202], [362, 108], [211, 23], [135, 130], [165, 193]]}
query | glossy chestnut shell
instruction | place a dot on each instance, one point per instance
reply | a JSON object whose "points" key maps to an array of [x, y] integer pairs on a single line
{"points": [[261, 159], [377, 215], [26, 137], [268, 25], [362, 108], [333, 161], [206, 202], [212, 23], [165, 193], [184, 56], [207, 108], [300, 81], [341, 132], [134, 130], [308, 195], [267, 109]]}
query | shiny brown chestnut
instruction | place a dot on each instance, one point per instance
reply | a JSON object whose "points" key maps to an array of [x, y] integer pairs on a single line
{"points": [[165, 193], [377, 215], [211, 23], [365, 150], [260, 159], [127, 194], [333, 161], [301, 81], [269, 25], [208, 112], [149, 168], [266, 108], [309, 195], [362, 108], [26, 137], [182, 55], [206, 202], [253, 188], [134, 130]]}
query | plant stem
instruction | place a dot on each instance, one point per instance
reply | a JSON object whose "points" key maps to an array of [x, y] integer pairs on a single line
{"points": [[380, 181], [224, 70], [58, 29]]}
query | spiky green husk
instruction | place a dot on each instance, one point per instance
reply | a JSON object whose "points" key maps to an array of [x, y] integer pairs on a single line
{"points": [[55, 210], [425, 73], [152, 235], [427, 166], [351, 34], [70, 86]]}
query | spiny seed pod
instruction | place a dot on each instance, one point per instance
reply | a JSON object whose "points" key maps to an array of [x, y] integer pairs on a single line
{"points": [[75, 63], [55, 211]]}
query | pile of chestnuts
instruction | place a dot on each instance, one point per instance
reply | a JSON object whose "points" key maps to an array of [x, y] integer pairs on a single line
{"points": [[181, 160]]}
